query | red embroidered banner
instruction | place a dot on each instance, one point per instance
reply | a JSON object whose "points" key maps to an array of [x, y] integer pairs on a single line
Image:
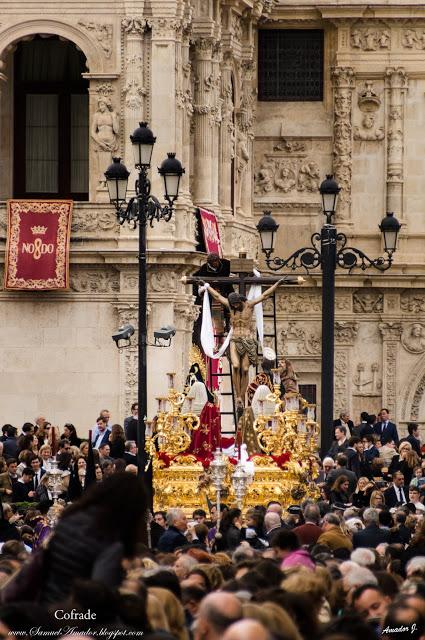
{"points": [[210, 231], [37, 251]]}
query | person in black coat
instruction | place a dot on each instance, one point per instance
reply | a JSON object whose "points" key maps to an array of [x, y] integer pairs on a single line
{"points": [[173, 537], [70, 433], [94, 535], [361, 497], [117, 442], [400, 534], [344, 421], [371, 535], [10, 445], [416, 546], [340, 492], [231, 531]]}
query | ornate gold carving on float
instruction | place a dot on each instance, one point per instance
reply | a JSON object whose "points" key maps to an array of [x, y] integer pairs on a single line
{"points": [[285, 472]]}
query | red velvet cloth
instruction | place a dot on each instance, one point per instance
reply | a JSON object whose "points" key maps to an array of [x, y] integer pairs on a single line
{"points": [[206, 438]]}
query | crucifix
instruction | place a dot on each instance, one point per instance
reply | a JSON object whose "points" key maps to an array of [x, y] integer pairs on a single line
{"points": [[243, 343]]}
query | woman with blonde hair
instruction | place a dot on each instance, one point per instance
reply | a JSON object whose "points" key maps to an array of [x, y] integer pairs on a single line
{"points": [[377, 499], [306, 581], [45, 454], [274, 618], [405, 462], [84, 448], [173, 610], [361, 496]]}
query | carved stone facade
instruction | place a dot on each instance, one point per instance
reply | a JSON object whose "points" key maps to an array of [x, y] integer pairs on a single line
{"points": [[190, 70]]}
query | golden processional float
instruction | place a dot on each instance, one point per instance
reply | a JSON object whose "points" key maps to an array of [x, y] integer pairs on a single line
{"points": [[284, 471]]}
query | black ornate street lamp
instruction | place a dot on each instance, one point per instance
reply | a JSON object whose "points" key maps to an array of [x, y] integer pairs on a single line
{"points": [[328, 250], [143, 208]]}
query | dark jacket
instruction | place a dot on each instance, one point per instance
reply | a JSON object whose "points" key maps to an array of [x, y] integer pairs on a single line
{"points": [[398, 464], [370, 537], [10, 448], [389, 433], [117, 448], [337, 423], [400, 535], [336, 448], [171, 540], [79, 550], [308, 533], [339, 497], [361, 499], [234, 537], [371, 454], [391, 497], [357, 464]]}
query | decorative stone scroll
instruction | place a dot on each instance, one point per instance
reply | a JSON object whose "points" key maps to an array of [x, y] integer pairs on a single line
{"points": [[341, 385], [278, 174], [413, 39], [296, 340], [368, 301], [371, 39], [343, 82], [345, 332], [413, 301], [102, 33]]}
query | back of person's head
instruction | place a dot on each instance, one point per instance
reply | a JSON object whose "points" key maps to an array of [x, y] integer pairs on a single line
{"points": [[273, 618], [385, 518], [271, 520], [341, 460], [364, 416], [299, 607], [371, 516], [165, 580], [349, 626], [11, 431], [388, 584], [270, 570], [201, 556], [332, 518], [312, 513], [353, 440], [363, 557], [286, 540], [411, 427], [119, 508], [217, 612]]}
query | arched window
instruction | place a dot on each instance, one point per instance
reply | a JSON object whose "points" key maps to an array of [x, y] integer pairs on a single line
{"points": [[51, 139]]}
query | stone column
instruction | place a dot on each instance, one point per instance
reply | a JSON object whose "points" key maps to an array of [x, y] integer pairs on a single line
{"points": [[343, 84], [391, 334], [345, 335], [227, 136], [397, 82], [5, 174], [204, 133]]}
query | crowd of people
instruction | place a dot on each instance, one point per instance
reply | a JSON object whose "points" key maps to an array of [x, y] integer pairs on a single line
{"points": [[348, 566]]}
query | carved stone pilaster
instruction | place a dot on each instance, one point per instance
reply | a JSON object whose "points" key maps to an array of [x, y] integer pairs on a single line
{"points": [[345, 334], [128, 359], [244, 138], [391, 334], [134, 89], [343, 83], [203, 110], [397, 83], [227, 134]]}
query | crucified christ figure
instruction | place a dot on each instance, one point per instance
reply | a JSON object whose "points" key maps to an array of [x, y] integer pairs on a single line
{"points": [[243, 345]]}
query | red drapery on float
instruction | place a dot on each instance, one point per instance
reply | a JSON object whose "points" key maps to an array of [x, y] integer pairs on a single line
{"points": [[37, 251]]}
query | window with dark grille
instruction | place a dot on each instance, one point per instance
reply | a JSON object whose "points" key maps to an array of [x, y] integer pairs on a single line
{"points": [[308, 392], [290, 64]]}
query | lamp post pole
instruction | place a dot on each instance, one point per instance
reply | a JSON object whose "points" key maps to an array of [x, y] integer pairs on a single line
{"points": [[142, 209], [328, 251]]}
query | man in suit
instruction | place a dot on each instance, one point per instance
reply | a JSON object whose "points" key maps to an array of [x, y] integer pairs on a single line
{"points": [[344, 421], [396, 495], [102, 436], [340, 443], [309, 532], [413, 437], [173, 537], [272, 525], [38, 471], [134, 416], [386, 429], [370, 451], [8, 480], [356, 461], [371, 535], [363, 422], [341, 470]]}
